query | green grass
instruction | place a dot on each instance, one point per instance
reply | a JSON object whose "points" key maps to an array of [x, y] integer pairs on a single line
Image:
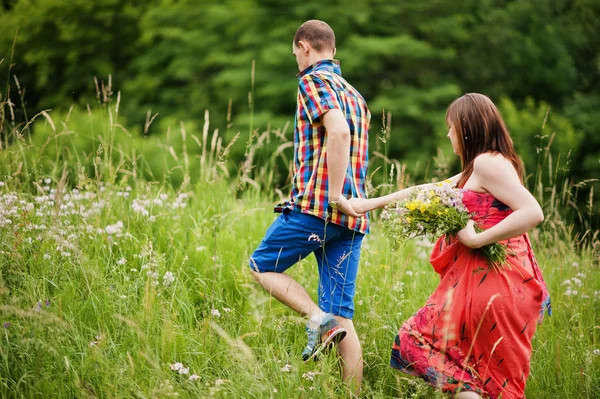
{"points": [[112, 328], [89, 309]]}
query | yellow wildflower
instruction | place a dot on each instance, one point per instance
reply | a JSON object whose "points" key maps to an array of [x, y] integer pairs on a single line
{"points": [[412, 205]]}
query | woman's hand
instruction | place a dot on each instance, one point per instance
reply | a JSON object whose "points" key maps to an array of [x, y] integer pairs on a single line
{"points": [[360, 205], [468, 236], [343, 205]]}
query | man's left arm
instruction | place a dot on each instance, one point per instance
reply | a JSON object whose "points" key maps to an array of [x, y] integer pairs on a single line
{"points": [[338, 154]]}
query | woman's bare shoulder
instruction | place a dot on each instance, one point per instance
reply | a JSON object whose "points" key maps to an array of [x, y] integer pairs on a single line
{"points": [[492, 166]]}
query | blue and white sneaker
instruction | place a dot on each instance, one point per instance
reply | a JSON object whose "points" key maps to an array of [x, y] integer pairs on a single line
{"points": [[328, 333]]}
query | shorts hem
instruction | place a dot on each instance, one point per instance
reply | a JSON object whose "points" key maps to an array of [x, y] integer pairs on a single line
{"points": [[346, 314]]}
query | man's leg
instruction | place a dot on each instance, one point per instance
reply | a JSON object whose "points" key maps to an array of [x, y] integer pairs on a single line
{"points": [[350, 351], [338, 267], [287, 291], [287, 242]]}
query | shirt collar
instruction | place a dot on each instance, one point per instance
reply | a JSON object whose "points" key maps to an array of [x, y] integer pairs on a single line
{"points": [[323, 65]]}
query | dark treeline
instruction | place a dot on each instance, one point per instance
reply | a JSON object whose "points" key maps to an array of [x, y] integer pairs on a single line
{"points": [[178, 58]]}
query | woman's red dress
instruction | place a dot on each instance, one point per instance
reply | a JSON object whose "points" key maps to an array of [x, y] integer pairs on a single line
{"points": [[475, 331]]}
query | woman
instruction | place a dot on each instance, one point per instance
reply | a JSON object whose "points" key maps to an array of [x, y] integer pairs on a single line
{"points": [[473, 336]]}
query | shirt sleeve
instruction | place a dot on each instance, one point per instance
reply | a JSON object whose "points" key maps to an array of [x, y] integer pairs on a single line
{"points": [[317, 97]]}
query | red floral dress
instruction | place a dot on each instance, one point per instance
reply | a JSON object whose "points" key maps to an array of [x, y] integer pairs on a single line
{"points": [[475, 331]]}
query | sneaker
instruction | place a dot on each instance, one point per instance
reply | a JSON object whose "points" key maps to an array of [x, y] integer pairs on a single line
{"points": [[328, 333]]}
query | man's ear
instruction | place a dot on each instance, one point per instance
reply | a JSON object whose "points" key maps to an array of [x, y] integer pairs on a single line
{"points": [[304, 46], [334, 51]]}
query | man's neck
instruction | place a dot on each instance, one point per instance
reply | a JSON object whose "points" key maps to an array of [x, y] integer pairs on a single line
{"points": [[319, 57]]}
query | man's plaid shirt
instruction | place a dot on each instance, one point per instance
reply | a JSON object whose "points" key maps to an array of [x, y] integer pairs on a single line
{"points": [[322, 88]]}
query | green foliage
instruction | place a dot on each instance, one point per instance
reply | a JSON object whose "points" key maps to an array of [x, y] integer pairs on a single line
{"points": [[62, 45], [532, 137], [176, 59]]}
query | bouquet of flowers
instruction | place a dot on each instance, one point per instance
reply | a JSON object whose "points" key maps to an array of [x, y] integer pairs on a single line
{"points": [[434, 212]]}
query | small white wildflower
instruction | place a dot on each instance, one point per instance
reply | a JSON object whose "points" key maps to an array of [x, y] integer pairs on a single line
{"points": [[575, 264], [227, 310], [310, 375], [96, 341], [315, 237], [597, 352], [215, 312], [275, 390], [176, 366], [219, 382], [168, 279], [47, 181], [194, 377], [1, 184], [184, 370], [200, 248], [121, 261], [409, 273], [286, 368], [571, 292], [114, 228], [138, 207], [47, 256]]}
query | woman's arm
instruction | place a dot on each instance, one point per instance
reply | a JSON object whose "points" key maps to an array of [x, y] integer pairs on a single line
{"points": [[496, 175], [362, 205]]}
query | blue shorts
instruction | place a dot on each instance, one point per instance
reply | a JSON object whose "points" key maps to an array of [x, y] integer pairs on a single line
{"points": [[293, 236]]}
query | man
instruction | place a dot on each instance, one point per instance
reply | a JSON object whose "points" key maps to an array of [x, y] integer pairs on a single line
{"points": [[330, 165]]}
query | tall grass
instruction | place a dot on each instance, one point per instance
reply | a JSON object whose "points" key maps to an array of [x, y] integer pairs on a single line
{"points": [[113, 272]]}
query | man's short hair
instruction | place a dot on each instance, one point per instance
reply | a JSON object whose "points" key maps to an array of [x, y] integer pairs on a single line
{"points": [[317, 33]]}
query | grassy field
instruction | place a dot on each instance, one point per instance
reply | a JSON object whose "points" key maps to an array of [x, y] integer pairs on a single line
{"points": [[112, 286]]}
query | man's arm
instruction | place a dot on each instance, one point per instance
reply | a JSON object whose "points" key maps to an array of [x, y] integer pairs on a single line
{"points": [[338, 151], [338, 154]]}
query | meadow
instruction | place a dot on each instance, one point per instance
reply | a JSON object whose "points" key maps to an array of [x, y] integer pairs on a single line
{"points": [[115, 282]]}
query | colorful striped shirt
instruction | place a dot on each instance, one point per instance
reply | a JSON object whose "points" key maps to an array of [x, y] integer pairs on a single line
{"points": [[322, 88]]}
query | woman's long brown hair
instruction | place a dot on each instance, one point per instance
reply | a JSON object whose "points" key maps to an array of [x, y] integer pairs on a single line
{"points": [[479, 129]]}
